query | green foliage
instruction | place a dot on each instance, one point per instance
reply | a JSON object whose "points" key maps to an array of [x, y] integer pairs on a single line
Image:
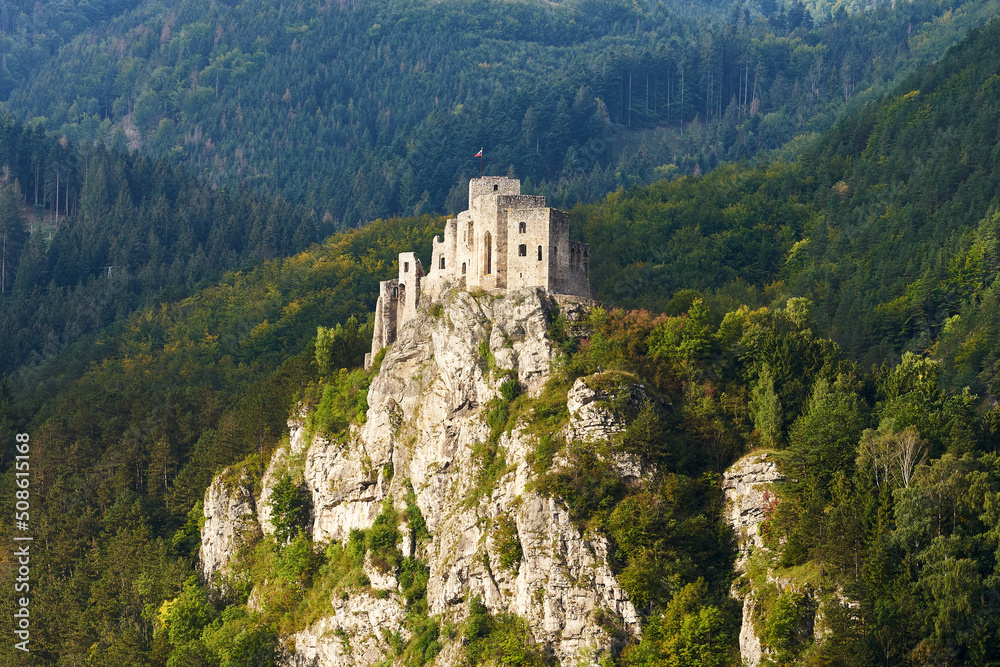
{"points": [[765, 407], [184, 617], [423, 646], [382, 538], [174, 394], [339, 570], [502, 638], [187, 539], [576, 98], [507, 543], [690, 631], [344, 400], [887, 226], [414, 517], [341, 346], [584, 484], [237, 637], [785, 627], [645, 435], [825, 438], [413, 579], [289, 508], [510, 388], [297, 560], [487, 362]]}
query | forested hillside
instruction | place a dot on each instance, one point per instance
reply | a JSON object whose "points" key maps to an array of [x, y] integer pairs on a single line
{"points": [[127, 231], [576, 98], [888, 224], [170, 395], [366, 109], [828, 310]]}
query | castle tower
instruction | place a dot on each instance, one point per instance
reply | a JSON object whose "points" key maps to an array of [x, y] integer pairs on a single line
{"points": [[505, 240]]}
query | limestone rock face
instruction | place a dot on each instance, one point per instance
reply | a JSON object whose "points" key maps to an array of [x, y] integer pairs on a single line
{"points": [[426, 416], [353, 634], [230, 518], [746, 487], [751, 650], [590, 418], [380, 581], [279, 463], [747, 492]]}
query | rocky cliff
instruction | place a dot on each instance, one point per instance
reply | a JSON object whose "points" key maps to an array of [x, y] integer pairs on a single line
{"points": [[748, 490], [422, 439], [805, 594]]}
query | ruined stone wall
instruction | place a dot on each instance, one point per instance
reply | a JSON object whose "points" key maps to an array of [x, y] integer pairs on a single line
{"points": [[483, 249], [491, 216], [444, 253], [465, 264], [410, 273], [386, 313], [576, 278], [505, 240]]}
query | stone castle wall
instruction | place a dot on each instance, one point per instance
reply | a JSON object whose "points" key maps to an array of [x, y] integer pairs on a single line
{"points": [[505, 240]]}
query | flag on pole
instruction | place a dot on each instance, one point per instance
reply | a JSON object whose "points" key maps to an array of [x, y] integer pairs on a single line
{"points": [[479, 154]]}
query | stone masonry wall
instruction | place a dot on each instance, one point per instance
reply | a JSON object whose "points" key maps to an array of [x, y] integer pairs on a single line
{"points": [[504, 241]]}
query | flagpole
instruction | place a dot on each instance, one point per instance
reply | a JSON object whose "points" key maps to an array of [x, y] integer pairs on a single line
{"points": [[480, 164]]}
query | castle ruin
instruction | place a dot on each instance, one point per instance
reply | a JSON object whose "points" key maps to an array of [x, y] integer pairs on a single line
{"points": [[505, 241]]}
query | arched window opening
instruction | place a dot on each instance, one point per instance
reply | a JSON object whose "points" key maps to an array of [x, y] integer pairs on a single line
{"points": [[522, 227], [442, 262], [539, 253], [522, 250], [495, 187], [463, 268]]}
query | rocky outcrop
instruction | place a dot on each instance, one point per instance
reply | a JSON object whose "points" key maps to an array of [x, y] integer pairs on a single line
{"points": [[562, 582], [426, 419], [280, 462], [594, 416], [748, 494], [747, 490], [230, 520], [358, 631], [591, 418]]}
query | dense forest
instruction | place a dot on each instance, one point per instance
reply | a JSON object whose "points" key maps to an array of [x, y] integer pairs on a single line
{"points": [[888, 223], [359, 110], [361, 137], [127, 230], [835, 310]]}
